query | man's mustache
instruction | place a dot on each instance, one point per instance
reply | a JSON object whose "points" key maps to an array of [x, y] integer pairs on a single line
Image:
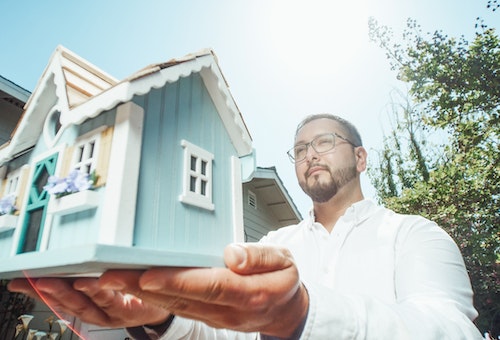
{"points": [[316, 166]]}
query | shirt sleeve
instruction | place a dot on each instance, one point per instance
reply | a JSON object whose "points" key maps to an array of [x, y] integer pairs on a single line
{"points": [[433, 296], [185, 329]]}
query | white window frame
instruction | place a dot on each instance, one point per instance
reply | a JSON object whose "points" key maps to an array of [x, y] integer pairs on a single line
{"points": [[12, 183], [197, 176], [86, 151]]}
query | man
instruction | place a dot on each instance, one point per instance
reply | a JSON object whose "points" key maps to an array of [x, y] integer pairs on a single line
{"points": [[352, 270]]}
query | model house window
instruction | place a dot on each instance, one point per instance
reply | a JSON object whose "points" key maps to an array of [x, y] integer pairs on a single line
{"points": [[86, 152], [12, 183], [197, 183]]}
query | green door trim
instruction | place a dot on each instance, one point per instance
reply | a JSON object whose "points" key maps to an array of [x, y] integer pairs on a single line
{"points": [[38, 198]]}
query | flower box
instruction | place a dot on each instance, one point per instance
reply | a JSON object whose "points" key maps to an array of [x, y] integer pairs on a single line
{"points": [[73, 203], [7, 222]]}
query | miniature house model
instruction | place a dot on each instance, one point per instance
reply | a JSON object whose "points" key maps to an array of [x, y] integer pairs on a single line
{"points": [[167, 150]]}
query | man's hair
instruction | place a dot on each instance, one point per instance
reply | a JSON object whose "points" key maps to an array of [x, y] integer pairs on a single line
{"points": [[352, 133]]}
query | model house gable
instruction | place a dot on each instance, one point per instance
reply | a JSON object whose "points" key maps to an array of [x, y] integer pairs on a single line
{"points": [[67, 81]]}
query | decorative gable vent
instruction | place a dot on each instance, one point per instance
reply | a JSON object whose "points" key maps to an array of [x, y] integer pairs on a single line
{"points": [[252, 199]]}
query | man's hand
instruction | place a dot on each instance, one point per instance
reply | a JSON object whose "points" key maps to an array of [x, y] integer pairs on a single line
{"points": [[260, 290], [85, 299]]}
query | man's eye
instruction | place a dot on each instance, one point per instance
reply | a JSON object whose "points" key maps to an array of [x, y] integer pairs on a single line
{"points": [[300, 150], [323, 141]]}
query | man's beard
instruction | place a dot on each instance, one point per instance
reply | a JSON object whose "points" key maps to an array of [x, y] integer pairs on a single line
{"points": [[321, 192]]}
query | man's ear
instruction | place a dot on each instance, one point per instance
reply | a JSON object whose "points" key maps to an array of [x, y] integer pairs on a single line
{"points": [[361, 157]]}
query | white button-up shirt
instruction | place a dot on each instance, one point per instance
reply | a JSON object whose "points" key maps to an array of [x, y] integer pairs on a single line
{"points": [[377, 275]]}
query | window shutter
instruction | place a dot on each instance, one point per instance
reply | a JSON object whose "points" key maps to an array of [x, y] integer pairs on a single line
{"points": [[66, 161], [103, 157], [23, 183], [2, 187]]}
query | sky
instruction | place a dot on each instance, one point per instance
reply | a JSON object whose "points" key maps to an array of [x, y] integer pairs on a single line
{"points": [[283, 59]]}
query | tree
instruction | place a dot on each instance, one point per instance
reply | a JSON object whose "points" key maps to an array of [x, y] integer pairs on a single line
{"points": [[454, 91], [404, 157]]}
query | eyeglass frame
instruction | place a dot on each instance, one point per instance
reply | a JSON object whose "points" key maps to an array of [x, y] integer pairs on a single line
{"points": [[310, 144]]}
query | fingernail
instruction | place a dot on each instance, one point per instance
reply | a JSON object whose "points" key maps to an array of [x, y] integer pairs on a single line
{"points": [[151, 285], [81, 288], [239, 253], [113, 285]]}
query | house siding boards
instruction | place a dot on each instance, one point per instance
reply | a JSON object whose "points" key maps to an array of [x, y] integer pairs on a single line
{"points": [[76, 229], [6, 243], [258, 221], [271, 206], [182, 110]]}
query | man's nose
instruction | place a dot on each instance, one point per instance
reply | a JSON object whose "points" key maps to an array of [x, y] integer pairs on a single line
{"points": [[311, 153]]}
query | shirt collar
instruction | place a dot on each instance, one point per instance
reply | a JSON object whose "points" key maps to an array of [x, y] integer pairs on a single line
{"points": [[356, 213]]}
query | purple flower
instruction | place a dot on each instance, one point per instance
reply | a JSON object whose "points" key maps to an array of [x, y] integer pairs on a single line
{"points": [[56, 185], [7, 204], [76, 181]]}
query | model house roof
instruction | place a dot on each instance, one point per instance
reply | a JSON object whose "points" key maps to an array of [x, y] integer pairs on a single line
{"points": [[73, 90]]}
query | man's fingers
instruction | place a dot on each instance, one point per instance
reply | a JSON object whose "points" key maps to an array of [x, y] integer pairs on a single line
{"points": [[125, 281], [22, 286], [101, 297], [243, 282], [85, 298], [218, 286], [59, 295], [202, 284], [256, 258], [120, 280]]}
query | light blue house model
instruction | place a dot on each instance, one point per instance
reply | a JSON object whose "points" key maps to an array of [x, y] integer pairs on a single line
{"points": [[174, 165]]}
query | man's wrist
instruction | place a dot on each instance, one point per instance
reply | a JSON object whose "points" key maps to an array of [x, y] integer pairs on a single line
{"points": [[151, 331], [162, 327], [303, 304], [295, 336]]}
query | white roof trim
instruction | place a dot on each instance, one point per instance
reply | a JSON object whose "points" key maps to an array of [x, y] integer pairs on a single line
{"points": [[140, 83], [155, 77], [49, 95]]}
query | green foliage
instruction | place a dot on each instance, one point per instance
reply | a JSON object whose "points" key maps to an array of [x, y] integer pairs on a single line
{"points": [[12, 305], [454, 92], [405, 156]]}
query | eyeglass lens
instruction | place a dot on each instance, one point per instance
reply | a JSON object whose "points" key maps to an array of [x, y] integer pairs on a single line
{"points": [[320, 144]]}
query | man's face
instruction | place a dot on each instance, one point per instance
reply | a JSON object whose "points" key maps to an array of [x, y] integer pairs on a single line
{"points": [[321, 176]]}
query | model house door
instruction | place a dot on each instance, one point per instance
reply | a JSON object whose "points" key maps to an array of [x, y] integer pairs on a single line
{"points": [[36, 207]]}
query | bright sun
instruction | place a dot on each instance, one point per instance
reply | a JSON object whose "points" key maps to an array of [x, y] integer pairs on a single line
{"points": [[319, 35]]}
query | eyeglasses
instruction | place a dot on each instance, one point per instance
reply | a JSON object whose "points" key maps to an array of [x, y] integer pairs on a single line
{"points": [[320, 144]]}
